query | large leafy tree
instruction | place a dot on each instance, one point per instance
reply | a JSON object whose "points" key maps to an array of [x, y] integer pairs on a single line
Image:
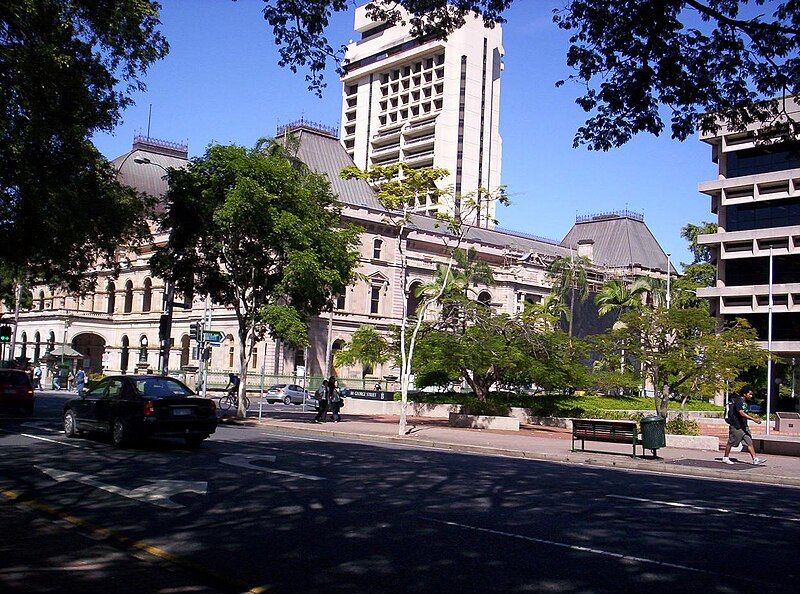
{"points": [[681, 350], [497, 349], [645, 66], [258, 232], [67, 70]]}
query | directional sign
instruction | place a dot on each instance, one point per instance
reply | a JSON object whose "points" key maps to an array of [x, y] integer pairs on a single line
{"points": [[213, 337], [156, 492]]}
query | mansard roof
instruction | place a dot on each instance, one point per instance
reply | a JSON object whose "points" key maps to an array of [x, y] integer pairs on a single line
{"points": [[621, 240]]}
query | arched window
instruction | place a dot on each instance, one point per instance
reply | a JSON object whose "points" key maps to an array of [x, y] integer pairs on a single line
{"points": [[111, 290], [413, 300], [24, 351], [51, 342], [128, 306], [185, 350], [147, 295], [41, 300], [37, 347], [485, 298], [377, 246], [231, 350], [341, 300], [125, 353], [143, 349], [337, 346]]}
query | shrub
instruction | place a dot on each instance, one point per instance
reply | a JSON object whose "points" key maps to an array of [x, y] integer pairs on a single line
{"points": [[473, 406], [682, 426]]}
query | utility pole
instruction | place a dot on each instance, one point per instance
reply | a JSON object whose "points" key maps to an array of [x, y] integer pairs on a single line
{"points": [[17, 296], [165, 327]]}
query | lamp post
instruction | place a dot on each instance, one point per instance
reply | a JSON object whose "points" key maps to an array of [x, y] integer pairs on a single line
{"points": [[669, 279], [769, 342], [165, 323]]}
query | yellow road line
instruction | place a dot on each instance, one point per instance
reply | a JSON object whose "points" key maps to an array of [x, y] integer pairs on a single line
{"points": [[129, 543]]}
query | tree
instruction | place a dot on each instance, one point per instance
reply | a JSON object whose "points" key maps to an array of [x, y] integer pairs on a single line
{"points": [[366, 347], [398, 188], [569, 278], [681, 351], [258, 232], [616, 295], [496, 349], [702, 62], [69, 68]]}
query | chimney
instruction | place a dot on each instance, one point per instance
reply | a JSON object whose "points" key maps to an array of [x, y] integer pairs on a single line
{"points": [[586, 248]]}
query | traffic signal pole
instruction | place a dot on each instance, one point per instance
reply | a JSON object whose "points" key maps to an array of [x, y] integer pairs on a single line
{"points": [[166, 328]]}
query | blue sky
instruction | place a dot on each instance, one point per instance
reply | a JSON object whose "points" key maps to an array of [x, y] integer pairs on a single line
{"points": [[221, 83]]}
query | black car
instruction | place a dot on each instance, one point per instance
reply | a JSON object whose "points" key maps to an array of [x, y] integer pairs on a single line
{"points": [[129, 407]]}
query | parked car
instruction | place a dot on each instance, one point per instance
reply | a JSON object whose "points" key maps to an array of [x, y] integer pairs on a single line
{"points": [[286, 393], [16, 391], [131, 407]]}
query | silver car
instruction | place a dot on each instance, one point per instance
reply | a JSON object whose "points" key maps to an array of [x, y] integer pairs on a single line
{"points": [[286, 393]]}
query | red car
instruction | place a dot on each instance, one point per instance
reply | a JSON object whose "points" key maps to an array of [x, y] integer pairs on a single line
{"points": [[16, 390]]}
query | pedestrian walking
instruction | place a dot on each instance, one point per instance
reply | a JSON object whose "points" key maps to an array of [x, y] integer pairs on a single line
{"points": [[322, 399], [57, 378], [37, 378], [71, 381], [738, 432], [334, 399], [80, 380]]}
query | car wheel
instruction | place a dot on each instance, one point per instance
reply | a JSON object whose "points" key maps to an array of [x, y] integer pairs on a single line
{"points": [[287, 399], [194, 441], [70, 427], [119, 434]]}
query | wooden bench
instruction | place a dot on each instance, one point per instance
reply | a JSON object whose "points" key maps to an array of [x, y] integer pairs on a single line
{"points": [[604, 430]]}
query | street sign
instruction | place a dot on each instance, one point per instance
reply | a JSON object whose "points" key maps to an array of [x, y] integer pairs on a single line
{"points": [[213, 337]]}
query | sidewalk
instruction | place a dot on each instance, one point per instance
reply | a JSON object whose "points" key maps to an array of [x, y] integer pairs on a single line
{"points": [[543, 443]]}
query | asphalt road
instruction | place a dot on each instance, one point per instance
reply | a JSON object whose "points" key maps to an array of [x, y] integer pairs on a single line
{"points": [[256, 508]]}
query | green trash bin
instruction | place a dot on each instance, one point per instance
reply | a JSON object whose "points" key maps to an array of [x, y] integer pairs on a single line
{"points": [[653, 433]]}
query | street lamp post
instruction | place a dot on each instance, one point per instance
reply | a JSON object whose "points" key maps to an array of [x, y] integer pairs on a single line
{"points": [[669, 279], [165, 323]]}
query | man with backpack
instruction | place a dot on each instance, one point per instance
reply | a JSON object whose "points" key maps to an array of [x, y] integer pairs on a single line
{"points": [[738, 432], [322, 398]]}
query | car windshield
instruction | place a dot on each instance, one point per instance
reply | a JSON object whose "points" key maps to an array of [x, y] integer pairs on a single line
{"points": [[13, 378], [161, 387]]}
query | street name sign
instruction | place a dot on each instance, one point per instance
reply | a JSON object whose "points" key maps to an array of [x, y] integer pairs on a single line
{"points": [[213, 337]]}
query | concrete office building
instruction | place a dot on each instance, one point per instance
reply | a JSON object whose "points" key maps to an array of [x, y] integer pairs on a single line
{"points": [[756, 198], [427, 103]]}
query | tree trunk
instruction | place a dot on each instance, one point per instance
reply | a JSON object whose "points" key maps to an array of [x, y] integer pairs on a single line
{"points": [[571, 309], [663, 402], [244, 356]]}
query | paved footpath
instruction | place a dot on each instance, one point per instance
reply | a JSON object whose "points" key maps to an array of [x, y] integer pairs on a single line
{"points": [[545, 443]]}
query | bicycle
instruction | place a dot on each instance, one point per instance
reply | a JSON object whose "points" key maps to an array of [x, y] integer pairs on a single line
{"points": [[231, 400]]}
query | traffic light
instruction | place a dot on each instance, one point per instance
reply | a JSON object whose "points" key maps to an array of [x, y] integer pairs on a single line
{"points": [[196, 331], [163, 327], [5, 333]]}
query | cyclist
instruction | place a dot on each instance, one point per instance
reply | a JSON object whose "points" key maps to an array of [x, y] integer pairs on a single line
{"points": [[233, 386]]}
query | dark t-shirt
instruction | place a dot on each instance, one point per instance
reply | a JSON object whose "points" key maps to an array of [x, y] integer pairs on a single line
{"points": [[735, 419]]}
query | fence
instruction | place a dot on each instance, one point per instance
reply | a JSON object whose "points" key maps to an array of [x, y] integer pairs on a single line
{"points": [[218, 380]]}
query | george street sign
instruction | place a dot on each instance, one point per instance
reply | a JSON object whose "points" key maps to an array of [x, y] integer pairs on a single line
{"points": [[213, 337]]}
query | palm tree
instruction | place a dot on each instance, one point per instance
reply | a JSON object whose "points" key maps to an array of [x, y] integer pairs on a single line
{"points": [[655, 288], [569, 274], [616, 295]]}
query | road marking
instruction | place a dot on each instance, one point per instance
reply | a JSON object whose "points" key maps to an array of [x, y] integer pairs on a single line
{"points": [[248, 462], [39, 437], [41, 426], [720, 510], [579, 548], [157, 492]]}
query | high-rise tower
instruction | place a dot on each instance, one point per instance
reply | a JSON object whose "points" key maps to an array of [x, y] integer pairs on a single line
{"points": [[427, 103]]}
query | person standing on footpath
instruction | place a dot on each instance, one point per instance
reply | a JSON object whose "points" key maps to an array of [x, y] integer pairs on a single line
{"points": [[322, 399], [80, 380], [334, 399], [738, 432], [37, 378]]}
